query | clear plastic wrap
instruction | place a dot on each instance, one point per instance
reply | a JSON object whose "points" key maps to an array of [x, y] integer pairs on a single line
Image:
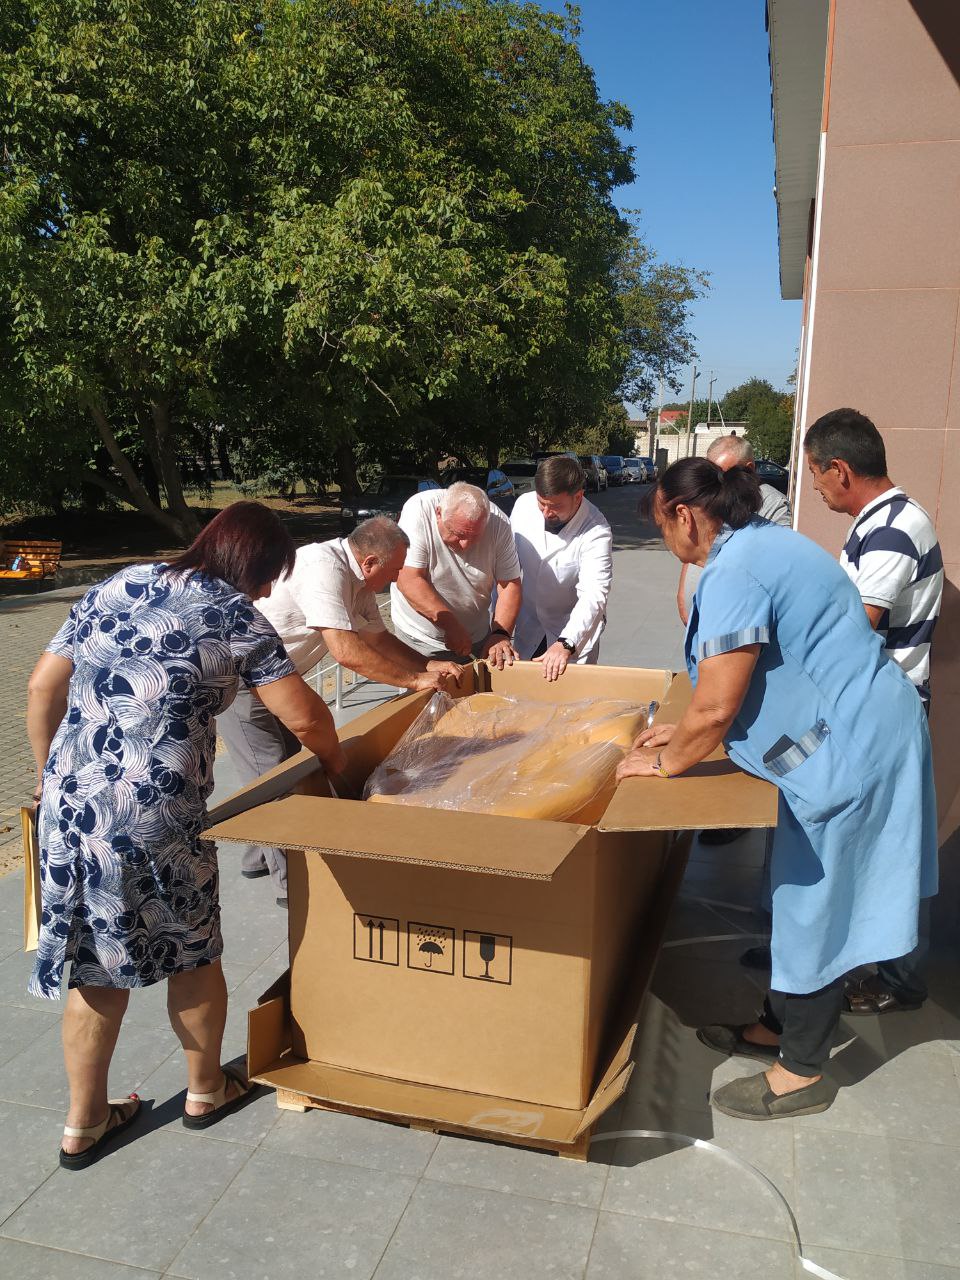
{"points": [[516, 757]]}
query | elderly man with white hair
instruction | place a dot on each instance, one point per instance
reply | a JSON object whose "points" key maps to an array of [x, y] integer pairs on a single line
{"points": [[461, 549], [326, 605], [727, 452]]}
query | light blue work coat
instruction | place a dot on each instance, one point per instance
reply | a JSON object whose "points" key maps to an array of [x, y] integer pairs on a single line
{"points": [[839, 729]]}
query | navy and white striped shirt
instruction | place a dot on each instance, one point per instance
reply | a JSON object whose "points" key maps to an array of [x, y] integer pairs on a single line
{"points": [[893, 558]]}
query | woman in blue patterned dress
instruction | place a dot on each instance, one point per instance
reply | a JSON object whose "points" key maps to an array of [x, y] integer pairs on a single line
{"points": [[120, 715]]}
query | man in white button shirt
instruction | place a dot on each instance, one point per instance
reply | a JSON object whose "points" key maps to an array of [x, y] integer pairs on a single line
{"points": [[326, 605], [461, 548], [566, 554]]}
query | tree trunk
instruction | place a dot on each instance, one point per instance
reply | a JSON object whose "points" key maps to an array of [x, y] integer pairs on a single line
{"points": [[226, 466], [135, 492], [347, 470], [160, 411]]}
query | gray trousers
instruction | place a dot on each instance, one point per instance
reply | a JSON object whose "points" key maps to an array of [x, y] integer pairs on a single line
{"points": [[257, 742]]}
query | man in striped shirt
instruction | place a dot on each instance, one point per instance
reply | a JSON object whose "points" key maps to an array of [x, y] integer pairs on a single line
{"points": [[892, 556]]}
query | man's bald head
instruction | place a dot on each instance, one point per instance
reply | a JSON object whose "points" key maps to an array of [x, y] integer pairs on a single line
{"points": [[731, 451]]}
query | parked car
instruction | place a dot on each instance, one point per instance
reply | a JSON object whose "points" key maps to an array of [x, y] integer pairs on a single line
{"points": [[652, 472], [594, 471], [616, 472], [773, 474], [496, 484], [521, 473], [385, 497], [636, 470]]}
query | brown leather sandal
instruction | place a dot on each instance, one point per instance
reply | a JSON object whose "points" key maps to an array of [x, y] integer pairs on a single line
{"points": [[117, 1120]]}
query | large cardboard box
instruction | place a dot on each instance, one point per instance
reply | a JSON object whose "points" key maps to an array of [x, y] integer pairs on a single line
{"points": [[479, 972]]}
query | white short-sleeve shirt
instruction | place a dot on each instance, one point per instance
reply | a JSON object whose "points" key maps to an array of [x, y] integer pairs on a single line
{"points": [[465, 579], [326, 589]]}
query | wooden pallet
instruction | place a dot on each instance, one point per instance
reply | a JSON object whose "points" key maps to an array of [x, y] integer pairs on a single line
{"points": [[288, 1100]]}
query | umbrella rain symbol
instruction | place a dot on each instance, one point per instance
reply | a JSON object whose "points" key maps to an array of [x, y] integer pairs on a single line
{"points": [[430, 943]]}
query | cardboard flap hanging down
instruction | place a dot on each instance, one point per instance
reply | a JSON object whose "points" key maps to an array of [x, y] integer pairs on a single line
{"points": [[480, 842]]}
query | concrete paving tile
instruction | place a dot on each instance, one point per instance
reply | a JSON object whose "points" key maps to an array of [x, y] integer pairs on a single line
{"points": [[286, 1216], [914, 1095], [36, 1075], [138, 1204], [36, 1262], [655, 1178], [15, 971], [343, 1139], [871, 1266], [249, 1124], [30, 1140], [459, 1233], [700, 991], [883, 1195], [646, 1249], [513, 1171], [892, 1034], [768, 1147], [19, 1028]]}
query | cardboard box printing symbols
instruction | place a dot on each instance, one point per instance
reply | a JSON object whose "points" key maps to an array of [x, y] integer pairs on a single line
{"points": [[376, 939], [430, 947]]}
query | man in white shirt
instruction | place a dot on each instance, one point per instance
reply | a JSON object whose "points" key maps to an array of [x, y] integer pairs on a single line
{"points": [[326, 605], [727, 452], [566, 555], [461, 549], [892, 556]]}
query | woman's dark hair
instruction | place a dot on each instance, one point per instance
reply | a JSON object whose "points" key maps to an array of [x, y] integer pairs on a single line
{"points": [[732, 496], [850, 436], [245, 545]]}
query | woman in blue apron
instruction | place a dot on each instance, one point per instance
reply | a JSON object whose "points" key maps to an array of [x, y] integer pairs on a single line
{"points": [[790, 677]]}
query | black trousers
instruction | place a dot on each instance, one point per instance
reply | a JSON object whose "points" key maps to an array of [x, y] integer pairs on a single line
{"points": [[805, 1024]]}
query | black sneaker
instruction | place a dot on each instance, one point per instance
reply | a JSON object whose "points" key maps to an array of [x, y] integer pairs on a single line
{"points": [[282, 902], [255, 875]]}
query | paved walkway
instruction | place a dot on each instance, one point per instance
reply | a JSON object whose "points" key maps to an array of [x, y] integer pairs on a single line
{"points": [[874, 1182]]}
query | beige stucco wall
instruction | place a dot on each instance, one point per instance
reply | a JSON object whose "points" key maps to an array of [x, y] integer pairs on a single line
{"points": [[882, 303]]}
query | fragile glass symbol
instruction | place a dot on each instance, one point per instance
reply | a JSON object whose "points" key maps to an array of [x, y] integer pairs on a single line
{"points": [[488, 949]]}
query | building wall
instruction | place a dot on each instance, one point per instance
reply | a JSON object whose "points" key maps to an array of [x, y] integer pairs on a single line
{"points": [[882, 300]]}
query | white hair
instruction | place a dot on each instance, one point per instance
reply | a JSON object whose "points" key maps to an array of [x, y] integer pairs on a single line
{"points": [[466, 499], [739, 448]]}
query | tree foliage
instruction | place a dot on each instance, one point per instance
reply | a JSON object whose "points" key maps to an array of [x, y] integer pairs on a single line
{"points": [[324, 232], [768, 414]]}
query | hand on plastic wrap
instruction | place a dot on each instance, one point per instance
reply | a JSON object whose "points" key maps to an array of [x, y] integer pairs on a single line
{"points": [[439, 676]]}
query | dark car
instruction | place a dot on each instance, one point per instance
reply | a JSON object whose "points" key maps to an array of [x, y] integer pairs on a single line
{"points": [[385, 497], [594, 472], [773, 474], [651, 466], [616, 473], [495, 483]]}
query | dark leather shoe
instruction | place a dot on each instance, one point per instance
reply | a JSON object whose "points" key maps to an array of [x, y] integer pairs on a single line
{"points": [[871, 995], [752, 1099], [255, 875], [756, 958], [283, 902], [729, 1040]]}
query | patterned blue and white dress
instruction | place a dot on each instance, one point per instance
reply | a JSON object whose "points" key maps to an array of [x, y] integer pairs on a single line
{"points": [[130, 891]]}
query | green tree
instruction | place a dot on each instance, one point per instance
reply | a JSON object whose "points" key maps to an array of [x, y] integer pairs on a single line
{"points": [[329, 230], [768, 414]]}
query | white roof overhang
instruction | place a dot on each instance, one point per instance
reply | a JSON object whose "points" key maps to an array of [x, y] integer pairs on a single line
{"points": [[798, 45]]}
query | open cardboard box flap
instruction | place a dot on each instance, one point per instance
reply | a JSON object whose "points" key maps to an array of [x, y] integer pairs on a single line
{"points": [[429, 837]]}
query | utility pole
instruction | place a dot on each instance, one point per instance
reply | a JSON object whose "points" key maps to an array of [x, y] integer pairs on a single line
{"points": [[693, 387], [656, 429], [713, 378]]}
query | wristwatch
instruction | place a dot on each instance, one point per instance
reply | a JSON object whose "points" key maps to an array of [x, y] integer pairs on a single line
{"points": [[570, 648]]}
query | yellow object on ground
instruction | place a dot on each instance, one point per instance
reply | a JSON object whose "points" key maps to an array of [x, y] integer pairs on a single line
{"points": [[507, 756]]}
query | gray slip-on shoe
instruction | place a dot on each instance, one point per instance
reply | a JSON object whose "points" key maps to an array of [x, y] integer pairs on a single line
{"points": [[751, 1098], [729, 1040]]}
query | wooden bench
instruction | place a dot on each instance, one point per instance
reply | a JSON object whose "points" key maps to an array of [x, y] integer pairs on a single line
{"points": [[39, 560]]}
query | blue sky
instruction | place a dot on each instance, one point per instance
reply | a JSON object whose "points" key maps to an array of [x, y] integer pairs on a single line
{"points": [[694, 74]]}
